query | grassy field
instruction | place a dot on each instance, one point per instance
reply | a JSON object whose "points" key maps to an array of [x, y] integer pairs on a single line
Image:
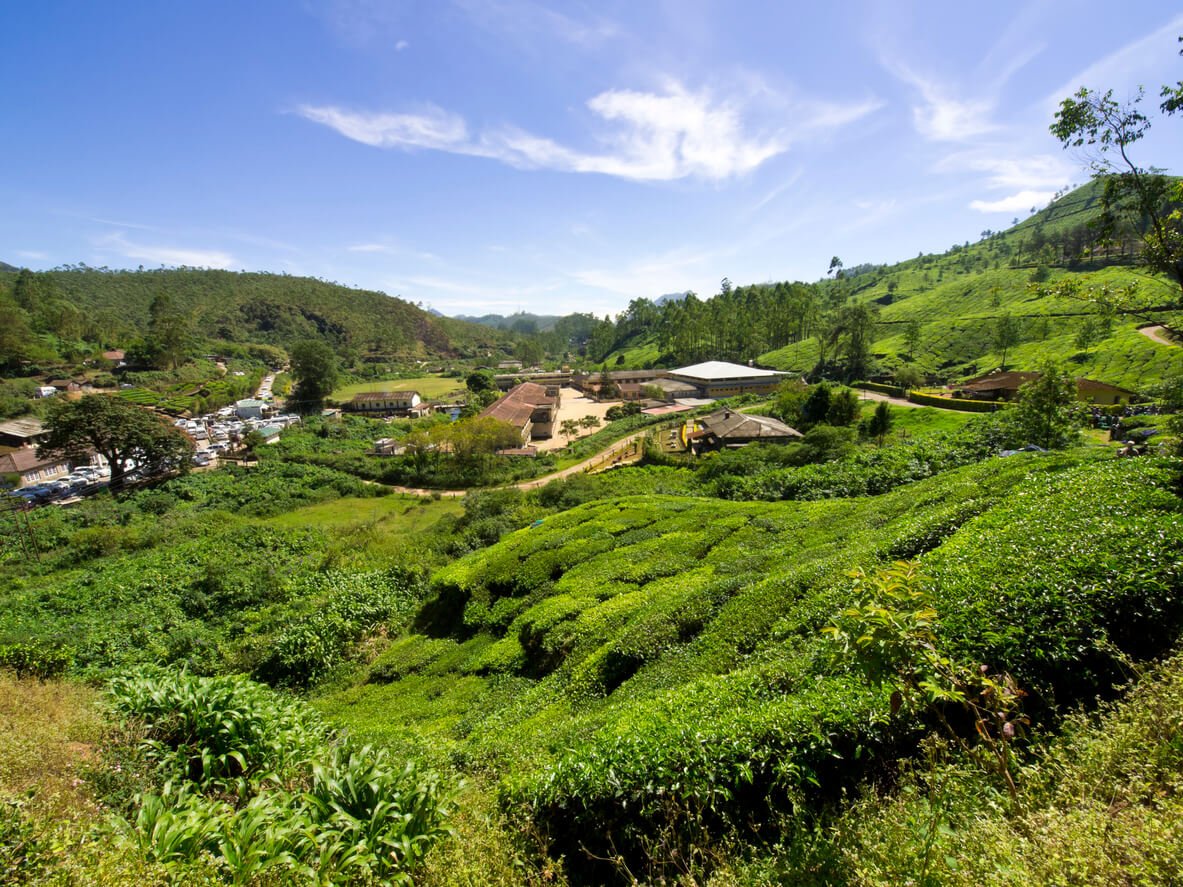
{"points": [[925, 420], [429, 387]]}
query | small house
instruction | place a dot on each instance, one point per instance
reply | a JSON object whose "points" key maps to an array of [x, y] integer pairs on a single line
{"points": [[250, 408], [29, 468], [731, 429], [530, 408], [387, 403]]}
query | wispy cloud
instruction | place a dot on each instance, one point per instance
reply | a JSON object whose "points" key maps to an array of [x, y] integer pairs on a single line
{"points": [[116, 224], [165, 255], [431, 128], [1141, 61], [34, 255], [1020, 202], [528, 22], [941, 116], [776, 192], [1033, 172], [649, 136], [384, 248], [651, 276]]}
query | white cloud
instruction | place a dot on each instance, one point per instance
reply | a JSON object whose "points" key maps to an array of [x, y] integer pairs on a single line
{"points": [[1034, 172], [434, 128], [1020, 202], [401, 45], [33, 254], [166, 255], [533, 25], [371, 248], [941, 116], [651, 276], [649, 136]]}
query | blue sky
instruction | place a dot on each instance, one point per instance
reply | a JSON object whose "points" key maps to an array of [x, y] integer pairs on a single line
{"points": [[500, 155]]}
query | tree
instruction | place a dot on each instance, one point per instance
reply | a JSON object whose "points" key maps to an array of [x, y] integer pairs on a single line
{"points": [[817, 405], [569, 427], [124, 434], [474, 440], [1006, 335], [854, 326], [880, 422], [480, 380], [608, 389], [170, 332], [844, 407], [589, 422], [912, 337], [1044, 413], [314, 367], [908, 377], [1088, 334], [1133, 195]]}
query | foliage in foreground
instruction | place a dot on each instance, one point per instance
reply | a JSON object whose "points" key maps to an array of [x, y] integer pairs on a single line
{"points": [[256, 783]]}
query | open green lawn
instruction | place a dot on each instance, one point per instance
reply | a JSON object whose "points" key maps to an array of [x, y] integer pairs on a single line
{"points": [[429, 387], [924, 420], [372, 528]]}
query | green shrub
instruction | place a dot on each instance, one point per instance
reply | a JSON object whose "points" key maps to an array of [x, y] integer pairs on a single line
{"points": [[254, 781], [34, 660]]}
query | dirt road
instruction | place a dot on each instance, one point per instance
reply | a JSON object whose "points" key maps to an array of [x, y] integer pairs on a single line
{"points": [[1157, 334]]}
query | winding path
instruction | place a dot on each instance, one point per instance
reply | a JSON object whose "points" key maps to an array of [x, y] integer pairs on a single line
{"points": [[1157, 334], [619, 448]]}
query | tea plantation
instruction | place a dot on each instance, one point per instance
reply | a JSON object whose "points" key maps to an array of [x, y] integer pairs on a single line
{"points": [[613, 678]]}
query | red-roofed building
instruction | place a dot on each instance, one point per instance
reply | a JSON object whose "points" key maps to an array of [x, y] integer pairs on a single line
{"points": [[1000, 385], [528, 407]]}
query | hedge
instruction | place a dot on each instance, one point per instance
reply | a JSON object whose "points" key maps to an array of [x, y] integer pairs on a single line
{"points": [[954, 403], [890, 390]]}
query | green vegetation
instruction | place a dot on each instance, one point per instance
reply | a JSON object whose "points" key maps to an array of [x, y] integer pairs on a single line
{"points": [[128, 437], [882, 653], [429, 387]]}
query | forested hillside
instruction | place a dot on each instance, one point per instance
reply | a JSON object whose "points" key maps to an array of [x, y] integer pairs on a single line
{"points": [[1047, 287], [112, 309]]}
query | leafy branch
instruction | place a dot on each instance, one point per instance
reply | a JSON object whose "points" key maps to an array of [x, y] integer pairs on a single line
{"points": [[892, 636]]}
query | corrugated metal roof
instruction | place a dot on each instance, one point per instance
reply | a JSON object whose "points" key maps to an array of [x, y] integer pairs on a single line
{"points": [[719, 370]]}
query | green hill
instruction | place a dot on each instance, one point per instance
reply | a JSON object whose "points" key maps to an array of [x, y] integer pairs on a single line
{"points": [[275, 309], [950, 302]]}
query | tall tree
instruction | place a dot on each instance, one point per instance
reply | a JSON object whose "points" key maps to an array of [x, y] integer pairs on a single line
{"points": [[314, 367], [170, 331], [1132, 193], [1044, 412], [124, 434], [1006, 334], [880, 422], [912, 337]]}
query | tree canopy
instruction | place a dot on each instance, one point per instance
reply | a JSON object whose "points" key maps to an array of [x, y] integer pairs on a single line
{"points": [[314, 367], [126, 435], [1044, 413], [1135, 197]]}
